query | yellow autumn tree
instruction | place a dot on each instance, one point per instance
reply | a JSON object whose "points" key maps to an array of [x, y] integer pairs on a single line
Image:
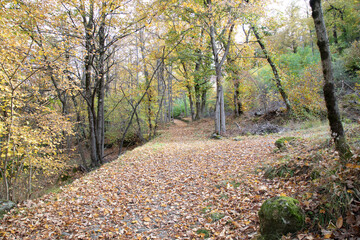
{"points": [[31, 130]]}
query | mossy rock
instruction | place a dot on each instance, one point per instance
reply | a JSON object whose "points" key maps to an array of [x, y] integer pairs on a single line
{"points": [[216, 136], [281, 142], [280, 216], [5, 206]]}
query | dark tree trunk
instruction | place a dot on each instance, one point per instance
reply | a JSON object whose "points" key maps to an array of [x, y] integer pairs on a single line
{"points": [[185, 105], [148, 95], [274, 70], [234, 73], [203, 102], [337, 130], [170, 94], [191, 102], [89, 96], [197, 101], [100, 81], [188, 87], [237, 101]]}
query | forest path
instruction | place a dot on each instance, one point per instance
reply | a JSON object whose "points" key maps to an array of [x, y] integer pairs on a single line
{"points": [[181, 185]]}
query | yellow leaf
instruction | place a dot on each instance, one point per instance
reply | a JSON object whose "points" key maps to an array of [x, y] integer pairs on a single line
{"points": [[147, 219], [133, 222], [283, 194], [327, 235]]}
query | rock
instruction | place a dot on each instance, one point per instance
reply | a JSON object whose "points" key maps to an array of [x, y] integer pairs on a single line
{"points": [[266, 128], [216, 136], [237, 138], [5, 206], [280, 216]]}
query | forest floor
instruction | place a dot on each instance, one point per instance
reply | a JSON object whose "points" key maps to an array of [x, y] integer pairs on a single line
{"points": [[180, 185]]}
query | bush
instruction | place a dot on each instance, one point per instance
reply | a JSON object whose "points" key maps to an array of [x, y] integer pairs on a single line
{"points": [[179, 108], [352, 57]]}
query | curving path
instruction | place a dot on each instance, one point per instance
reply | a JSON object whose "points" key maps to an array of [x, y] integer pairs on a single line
{"points": [[181, 185]]}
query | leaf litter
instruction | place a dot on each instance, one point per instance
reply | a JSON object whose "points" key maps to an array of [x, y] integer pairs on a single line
{"points": [[181, 185]]}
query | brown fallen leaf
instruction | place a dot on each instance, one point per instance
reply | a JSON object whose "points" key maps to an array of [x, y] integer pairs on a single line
{"points": [[339, 222]]}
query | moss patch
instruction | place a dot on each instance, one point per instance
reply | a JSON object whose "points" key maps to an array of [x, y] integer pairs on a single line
{"points": [[279, 216], [282, 142]]}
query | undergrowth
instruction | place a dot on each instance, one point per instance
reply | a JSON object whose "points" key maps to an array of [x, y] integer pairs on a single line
{"points": [[331, 200]]}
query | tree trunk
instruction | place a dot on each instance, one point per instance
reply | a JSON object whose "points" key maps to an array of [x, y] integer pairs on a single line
{"points": [[197, 101], [222, 111], [100, 81], [147, 83], [170, 92], [237, 102], [161, 93], [337, 130], [185, 105], [217, 112], [191, 102], [88, 61], [219, 107], [203, 102], [274, 70]]}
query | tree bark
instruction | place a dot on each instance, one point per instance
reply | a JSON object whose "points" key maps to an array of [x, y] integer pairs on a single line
{"points": [[197, 101], [101, 90], [185, 105], [170, 94], [191, 102], [220, 121], [148, 91], [203, 102], [222, 111], [188, 87], [89, 97], [237, 102], [337, 130]]}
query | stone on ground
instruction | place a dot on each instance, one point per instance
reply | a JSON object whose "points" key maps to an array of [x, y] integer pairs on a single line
{"points": [[280, 216]]}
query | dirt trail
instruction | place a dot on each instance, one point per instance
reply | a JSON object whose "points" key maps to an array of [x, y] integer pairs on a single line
{"points": [[181, 185]]}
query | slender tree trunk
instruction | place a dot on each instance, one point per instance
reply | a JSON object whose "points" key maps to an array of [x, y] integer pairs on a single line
{"points": [[140, 135], [234, 73], [170, 101], [217, 112], [274, 70], [219, 107], [203, 102], [101, 90], [148, 91], [197, 101], [185, 104], [337, 130], [237, 102], [222, 111], [88, 24], [191, 103]]}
